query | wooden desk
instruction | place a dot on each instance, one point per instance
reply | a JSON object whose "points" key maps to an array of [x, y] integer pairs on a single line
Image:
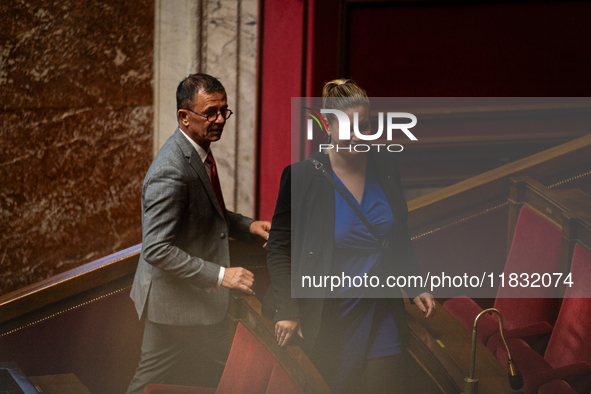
{"points": [[441, 345], [59, 384]]}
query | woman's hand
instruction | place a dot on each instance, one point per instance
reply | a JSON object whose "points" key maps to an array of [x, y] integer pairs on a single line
{"points": [[261, 229], [426, 304], [284, 330]]}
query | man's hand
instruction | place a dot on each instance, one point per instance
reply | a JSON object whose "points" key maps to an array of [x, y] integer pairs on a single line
{"points": [[260, 228], [284, 330], [426, 304], [238, 278]]}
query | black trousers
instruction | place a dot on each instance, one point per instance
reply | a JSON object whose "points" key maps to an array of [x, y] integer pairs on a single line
{"points": [[186, 355]]}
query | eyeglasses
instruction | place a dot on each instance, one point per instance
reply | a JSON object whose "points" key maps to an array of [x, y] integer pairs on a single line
{"points": [[213, 116]]}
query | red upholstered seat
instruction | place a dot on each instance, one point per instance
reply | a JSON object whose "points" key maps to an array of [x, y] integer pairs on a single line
{"points": [[535, 248], [465, 310], [556, 387], [568, 355], [251, 369]]}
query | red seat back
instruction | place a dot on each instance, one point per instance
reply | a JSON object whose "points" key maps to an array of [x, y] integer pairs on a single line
{"points": [[556, 387], [535, 249], [570, 341], [249, 366]]}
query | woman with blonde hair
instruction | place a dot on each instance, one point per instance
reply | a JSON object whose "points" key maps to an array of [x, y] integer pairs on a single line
{"points": [[357, 343]]}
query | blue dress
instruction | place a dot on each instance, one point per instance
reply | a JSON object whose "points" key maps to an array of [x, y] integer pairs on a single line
{"points": [[356, 329]]}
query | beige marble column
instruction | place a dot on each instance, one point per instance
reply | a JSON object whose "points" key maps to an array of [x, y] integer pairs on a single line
{"points": [[218, 38], [175, 57]]}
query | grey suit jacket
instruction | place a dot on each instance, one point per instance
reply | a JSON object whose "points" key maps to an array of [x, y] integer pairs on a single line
{"points": [[185, 240]]}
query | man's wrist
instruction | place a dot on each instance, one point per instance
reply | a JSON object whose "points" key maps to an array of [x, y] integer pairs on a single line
{"points": [[220, 277]]}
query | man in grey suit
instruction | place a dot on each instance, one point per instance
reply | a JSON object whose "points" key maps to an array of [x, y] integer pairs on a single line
{"points": [[183, 279]]}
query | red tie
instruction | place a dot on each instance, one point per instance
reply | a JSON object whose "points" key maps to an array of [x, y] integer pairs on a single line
{"points": [[215, 180]]}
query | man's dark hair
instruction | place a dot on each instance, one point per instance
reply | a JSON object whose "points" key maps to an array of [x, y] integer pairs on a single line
{"points": [[186, 92]]}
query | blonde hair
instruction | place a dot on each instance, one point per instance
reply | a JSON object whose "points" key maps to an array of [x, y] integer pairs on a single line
{"points": [[343, 94]]}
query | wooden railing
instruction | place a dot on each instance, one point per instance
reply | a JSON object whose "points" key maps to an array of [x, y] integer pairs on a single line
{"points": [[68, 289], [477, 194]]}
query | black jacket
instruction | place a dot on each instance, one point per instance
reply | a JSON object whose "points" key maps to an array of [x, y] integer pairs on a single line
{"points": [[306, 204]]}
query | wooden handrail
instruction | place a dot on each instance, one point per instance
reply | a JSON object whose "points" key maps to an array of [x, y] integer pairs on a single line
{"points": [[69, 283], [117, 266], [490, 189]]}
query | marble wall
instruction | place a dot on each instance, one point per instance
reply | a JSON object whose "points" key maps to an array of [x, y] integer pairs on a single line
{"points": [[76, 132], [218, 38]]}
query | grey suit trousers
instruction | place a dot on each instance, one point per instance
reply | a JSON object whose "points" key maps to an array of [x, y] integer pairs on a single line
{"points": [[191, 355]]}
